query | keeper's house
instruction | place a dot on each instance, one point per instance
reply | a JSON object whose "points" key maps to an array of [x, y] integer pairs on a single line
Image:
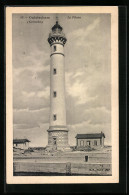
{"points": [[92, 140], [21, 143]]}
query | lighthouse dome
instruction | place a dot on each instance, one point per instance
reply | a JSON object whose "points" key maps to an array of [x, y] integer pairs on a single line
{"points": [[57, 35], [57, 26]]}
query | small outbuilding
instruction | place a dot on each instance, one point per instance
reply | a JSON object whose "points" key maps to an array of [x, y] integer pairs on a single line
{"points": [[21, 143], [92, 140]]}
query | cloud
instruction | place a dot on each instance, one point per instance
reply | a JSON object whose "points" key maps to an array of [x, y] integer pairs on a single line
{"points": [[27, 58], [24, 126], [95, 114], [82, 33], [78, 88], [31, 89], [89, 86], [28, 95], [30, 118], [32, 103], [37, 135]]}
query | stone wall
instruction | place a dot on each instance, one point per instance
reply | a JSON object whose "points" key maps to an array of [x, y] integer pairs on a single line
{"points": [[75, 168], [61, 138]]}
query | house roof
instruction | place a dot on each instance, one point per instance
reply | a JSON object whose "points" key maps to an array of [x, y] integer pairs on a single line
{"points": [[90, 136], [20, 141]]}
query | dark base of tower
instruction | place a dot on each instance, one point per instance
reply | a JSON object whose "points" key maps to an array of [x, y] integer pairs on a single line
{"points": [[58, 139]]}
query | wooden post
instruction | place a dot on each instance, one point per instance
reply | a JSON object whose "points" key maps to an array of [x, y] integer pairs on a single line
{"points": [[68, 168]]}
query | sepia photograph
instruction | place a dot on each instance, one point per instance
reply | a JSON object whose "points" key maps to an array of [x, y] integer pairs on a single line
{"points": [[62, 95]]}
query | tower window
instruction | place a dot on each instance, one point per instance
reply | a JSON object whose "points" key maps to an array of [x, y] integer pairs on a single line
{"points": [[54, 71], [54, 94], [54, 48], [54, 117]]}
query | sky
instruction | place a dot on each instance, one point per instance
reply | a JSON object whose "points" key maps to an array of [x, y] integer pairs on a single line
{"points": [[87, 75]]}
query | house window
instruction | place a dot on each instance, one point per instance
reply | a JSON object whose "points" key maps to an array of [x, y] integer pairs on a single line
{"points": [[54, 94], [88, 143], [82, 143], [54, 48], [54, 71], [54, 117], [95, 142]]}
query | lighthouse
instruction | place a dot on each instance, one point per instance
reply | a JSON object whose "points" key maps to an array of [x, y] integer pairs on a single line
{"points": [[58, 131]]}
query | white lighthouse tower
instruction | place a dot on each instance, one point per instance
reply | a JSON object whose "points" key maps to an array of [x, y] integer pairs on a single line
{"points": [[57, 132]]}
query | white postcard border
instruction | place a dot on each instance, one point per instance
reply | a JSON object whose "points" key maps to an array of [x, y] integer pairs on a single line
{"points": [[10, 179]]}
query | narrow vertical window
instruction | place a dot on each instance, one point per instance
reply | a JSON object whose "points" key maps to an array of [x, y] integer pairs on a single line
{"points": [[54, 94], [54, 71], [54, 48], [95, 142], [82, 143], [54, 117], [88, 143]]}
